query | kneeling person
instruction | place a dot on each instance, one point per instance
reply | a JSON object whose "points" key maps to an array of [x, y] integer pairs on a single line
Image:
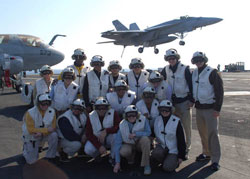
{"points": [[71, 130], [133, 135], [171, 147], [39, 126], [101, 126]]}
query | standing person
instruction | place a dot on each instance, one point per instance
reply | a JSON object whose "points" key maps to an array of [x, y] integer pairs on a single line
{"points": [[96, 83], [121, 97], [43, 85], [64, 92], [162, 88], [136, 77], [101, 126], [208, 94], [180, 79], [79, 56], [133, 135], [71, 130], [170, 149], [114, 68], [39, 126], [148, 105]]}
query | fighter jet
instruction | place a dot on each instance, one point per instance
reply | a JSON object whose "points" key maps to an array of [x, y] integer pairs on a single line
{"points": [[155, 35], [20, 53]]}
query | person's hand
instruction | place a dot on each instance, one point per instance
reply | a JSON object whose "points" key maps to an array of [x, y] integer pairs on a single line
{"points": [[131, 136], [102, 150], [37, 134], [216, 114], [102, 136], [116, 168], [51, 129], [180, 161]]}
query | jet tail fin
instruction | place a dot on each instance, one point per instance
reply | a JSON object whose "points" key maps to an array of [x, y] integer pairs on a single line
{"points": [[118, 25], [133, 26]]}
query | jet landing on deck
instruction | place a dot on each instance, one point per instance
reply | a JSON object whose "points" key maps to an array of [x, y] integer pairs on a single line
{"points": [[159, 34]]}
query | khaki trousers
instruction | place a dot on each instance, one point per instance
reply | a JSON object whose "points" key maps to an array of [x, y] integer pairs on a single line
{"points": [[143, 145], [207, 126], [185, 113], [30, 148], [169, 161]]}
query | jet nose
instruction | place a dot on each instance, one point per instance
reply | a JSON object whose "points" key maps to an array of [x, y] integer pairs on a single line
{"points": [[209, 21], [57, 56]]}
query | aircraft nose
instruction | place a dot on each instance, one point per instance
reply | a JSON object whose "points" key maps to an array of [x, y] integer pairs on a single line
{"points": [[209, 21], [58, 56]]}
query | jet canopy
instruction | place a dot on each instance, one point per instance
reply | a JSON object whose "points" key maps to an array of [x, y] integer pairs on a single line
{"points": [[31, 41]]}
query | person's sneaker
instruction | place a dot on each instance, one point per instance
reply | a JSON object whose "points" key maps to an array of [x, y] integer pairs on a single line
{"points": [[64, 157], [215, 166], [202, 157], [147, 170]]}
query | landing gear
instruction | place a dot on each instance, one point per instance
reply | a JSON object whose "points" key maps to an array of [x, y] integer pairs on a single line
{"points": [[182, 43], [156, 50], [140, 50]]}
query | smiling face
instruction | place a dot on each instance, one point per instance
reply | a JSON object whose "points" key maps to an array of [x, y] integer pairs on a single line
{"points": [[131, 116]]}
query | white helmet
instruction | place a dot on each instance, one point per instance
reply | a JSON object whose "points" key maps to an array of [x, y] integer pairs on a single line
{"points": [[79, 53], [70, 71], [79, 102], [136, 61], [96, 59], [101, 101], [130, 108], [119, 83], [149, 90], [171, 53], [155, 76], [199, 56], [165, 103], [114, 63], [43, 97], [45, 68]]}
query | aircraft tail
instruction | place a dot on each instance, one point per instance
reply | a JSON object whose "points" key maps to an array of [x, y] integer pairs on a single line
{"points": [[133, 26], [118, 25]]}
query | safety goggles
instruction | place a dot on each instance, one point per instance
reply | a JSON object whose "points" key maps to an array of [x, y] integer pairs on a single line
{"points": [[131, 114], [137, 66], [148, 95], [113, 67], [164, 109], [120, 88], [46, 72], [102, 107], [97, 64], [45, 103], [78, 108], [155, 80], [169, 58], [68, 77], [197, 60]]}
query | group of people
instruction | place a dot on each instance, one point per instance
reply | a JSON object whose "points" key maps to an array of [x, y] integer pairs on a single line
{"points": [[90, 110]]}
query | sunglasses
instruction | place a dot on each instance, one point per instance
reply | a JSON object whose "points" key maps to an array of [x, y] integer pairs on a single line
{"points": [[137, 66], [45, 103], [114, 67], [78, 108], [120, 89], [148, 95], [97, 64], [164, 109], [131, 115], [102, 108], [46, 73], [68, 77], [197, 61]]}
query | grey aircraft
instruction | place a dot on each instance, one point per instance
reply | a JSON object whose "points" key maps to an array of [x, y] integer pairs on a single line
{"points": [[155, 35], [20, 53]]}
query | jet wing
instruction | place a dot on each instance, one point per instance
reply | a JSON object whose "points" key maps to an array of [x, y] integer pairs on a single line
{"points": [[123, 32]]}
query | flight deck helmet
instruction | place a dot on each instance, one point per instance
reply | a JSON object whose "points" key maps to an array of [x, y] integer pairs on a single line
{"points": [[171, 53], [46, 69], [114, 63], [199, 57], [97, 60], [136, 62], [154, 77], [44, 99], [67, 73], [79, 54]]}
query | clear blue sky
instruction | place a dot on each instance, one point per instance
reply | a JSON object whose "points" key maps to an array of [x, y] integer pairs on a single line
{"points": [[83, 21]]}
